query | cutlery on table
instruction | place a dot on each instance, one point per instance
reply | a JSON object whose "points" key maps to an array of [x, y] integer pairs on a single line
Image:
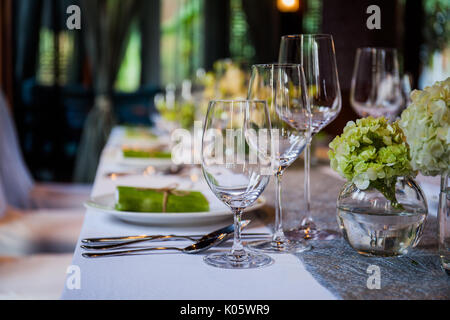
{"points": [[228, 231], [191, 237], [172, 170], [197, 247]]}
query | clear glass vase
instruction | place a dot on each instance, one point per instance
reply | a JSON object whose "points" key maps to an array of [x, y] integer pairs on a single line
{"points": [[444, 223], [377, 223]]}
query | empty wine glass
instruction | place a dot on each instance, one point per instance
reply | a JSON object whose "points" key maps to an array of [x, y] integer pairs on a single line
{"points": [[316, 54], [237, 166], [283, 86], [376, 86], [406, 90]]}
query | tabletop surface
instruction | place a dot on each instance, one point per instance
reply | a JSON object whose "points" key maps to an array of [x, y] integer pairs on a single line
{"points": [[332, 270]]}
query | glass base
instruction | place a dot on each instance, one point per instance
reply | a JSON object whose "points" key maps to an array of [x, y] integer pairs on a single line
{"points": [[309, 233], [246, 260], [286, 246], [445, 263]]}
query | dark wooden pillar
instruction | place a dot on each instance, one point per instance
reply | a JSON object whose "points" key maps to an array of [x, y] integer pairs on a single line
{"points": [[217, 31], [151, 36], [265, 25], [6, 50], [413, 38], [291, 23]]}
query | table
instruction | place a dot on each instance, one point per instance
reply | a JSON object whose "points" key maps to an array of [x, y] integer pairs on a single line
{"points": [[332, 270]]}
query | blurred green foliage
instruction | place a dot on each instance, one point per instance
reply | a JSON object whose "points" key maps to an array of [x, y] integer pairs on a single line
{"points": [[437, 27]]}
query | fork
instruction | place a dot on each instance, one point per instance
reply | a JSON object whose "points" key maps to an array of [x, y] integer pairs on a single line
{"points": [[193, 237]]}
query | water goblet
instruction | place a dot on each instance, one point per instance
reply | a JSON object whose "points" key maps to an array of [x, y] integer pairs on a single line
{"points": [[237, 167]]}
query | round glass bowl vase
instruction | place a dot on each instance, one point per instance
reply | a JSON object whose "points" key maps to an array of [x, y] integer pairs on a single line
{"points": [[374, 226]]}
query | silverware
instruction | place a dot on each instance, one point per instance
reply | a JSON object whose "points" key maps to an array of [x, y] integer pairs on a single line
{"points": [[228, 230], [192, 237], [197, 247]]}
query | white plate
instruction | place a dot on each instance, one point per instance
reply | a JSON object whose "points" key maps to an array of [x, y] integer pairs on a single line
{"points": [[218, 211], [144, 162]]}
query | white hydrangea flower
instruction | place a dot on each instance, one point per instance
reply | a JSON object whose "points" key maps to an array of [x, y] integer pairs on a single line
{"points": [[426, 123]]}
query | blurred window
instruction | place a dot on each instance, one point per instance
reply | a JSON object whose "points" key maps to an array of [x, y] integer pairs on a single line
{"points": [[181, 46], [48, 67], [241, 49], [436, 49], [312, 17], [129, 76], [181, 39]]}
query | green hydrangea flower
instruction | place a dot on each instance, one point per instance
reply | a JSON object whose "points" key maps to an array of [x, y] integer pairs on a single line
{"points": [[372, 153], [426, 123]]}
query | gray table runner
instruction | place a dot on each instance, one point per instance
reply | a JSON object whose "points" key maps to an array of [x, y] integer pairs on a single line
{"points": [[341, 269]]}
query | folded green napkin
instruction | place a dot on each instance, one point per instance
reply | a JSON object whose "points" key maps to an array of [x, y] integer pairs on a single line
{"points": [[146, 153], [139, 132], [159, 200]]}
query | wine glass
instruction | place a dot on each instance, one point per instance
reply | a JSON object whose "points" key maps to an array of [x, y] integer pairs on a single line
{"points": [[237, 168], [406, 90], [376, 86], [283, 86], [316, 54]]}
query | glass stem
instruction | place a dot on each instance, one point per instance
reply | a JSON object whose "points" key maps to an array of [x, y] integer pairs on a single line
{"points": [[307, 185], [444, 224], [238, 248], [444, 182], [278, 235]]}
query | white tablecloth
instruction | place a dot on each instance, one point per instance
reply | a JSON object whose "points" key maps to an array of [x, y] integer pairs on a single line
{"points": [[174, 275]]}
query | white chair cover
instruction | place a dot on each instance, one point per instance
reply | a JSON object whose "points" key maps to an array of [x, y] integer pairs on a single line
{"points": [[14, 175], [2, 200]]}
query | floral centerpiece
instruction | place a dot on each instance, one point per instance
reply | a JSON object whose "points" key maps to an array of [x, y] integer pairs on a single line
{"points": [[381, 209], [180, 110], [426, 123], [372, 153], [227, 80]]}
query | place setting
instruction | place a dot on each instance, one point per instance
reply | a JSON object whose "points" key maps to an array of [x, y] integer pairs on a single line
{"points": [[147, 205], [225, 150], [245, 143]]}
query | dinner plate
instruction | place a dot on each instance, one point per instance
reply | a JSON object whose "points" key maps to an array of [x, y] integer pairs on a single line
{"points": [[141, 162], [218, 211], [144, 162]]}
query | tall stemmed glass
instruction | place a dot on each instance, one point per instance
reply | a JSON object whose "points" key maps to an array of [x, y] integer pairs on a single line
{"points": [[237, 166], [283, 86], [376, 85], [316, 54]]}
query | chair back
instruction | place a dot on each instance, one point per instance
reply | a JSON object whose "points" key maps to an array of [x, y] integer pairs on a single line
{"points": [[15, 179], [3, 204]]}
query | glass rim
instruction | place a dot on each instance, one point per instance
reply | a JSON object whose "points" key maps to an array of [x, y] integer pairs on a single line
{"points": [[371, 48], [238, 101], [308, 35], [277, 65]]}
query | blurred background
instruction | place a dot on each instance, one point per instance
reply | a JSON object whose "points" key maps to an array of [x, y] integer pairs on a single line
{"points": [[51, 75]]}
